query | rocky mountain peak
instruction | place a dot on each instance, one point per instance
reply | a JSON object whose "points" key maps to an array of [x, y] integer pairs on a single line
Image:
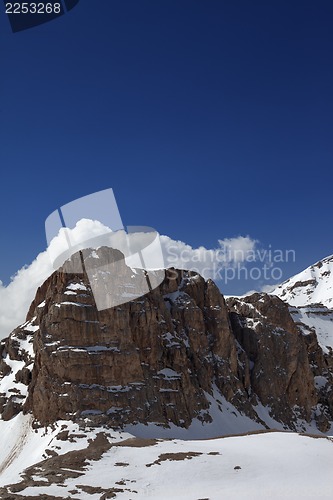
{"points": [[178, 355], [310, 298]]}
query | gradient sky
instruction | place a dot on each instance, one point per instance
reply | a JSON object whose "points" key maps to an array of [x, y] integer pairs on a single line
{"points": [[210, 119]]}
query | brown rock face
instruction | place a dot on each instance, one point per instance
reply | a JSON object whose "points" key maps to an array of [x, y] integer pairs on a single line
{"points": [[150, 359], [16, 348], [160, 357], [321, 364], [280, 372]]}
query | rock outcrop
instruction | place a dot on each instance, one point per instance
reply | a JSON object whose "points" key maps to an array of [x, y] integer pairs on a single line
{"points": [[280, 373], [148, 360], [161, 357]]}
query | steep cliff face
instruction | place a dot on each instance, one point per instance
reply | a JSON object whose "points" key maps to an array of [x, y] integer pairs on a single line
{"points": [[280, 373], [150, 359], [162, 357], [309, 296]]}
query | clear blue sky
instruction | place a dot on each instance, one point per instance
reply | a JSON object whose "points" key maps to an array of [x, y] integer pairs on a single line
{"points": [[209, 119]]}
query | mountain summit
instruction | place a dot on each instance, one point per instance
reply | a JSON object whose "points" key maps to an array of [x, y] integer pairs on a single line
{"points": [[178, 358], [310, 295], [312, 286]]}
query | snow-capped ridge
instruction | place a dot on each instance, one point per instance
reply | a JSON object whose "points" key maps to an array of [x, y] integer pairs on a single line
{"points": [[314, 285], [310, 296]]}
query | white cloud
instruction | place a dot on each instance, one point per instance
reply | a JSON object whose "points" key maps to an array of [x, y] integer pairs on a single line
{"points": [[269, 288], [16, 298], [208, 262], [261, 289], [238, 249]]}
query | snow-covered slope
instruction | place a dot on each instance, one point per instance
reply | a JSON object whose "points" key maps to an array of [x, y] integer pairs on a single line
{"points": [[316, 318], [314, 285], [310, 293], [118, 465]]}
